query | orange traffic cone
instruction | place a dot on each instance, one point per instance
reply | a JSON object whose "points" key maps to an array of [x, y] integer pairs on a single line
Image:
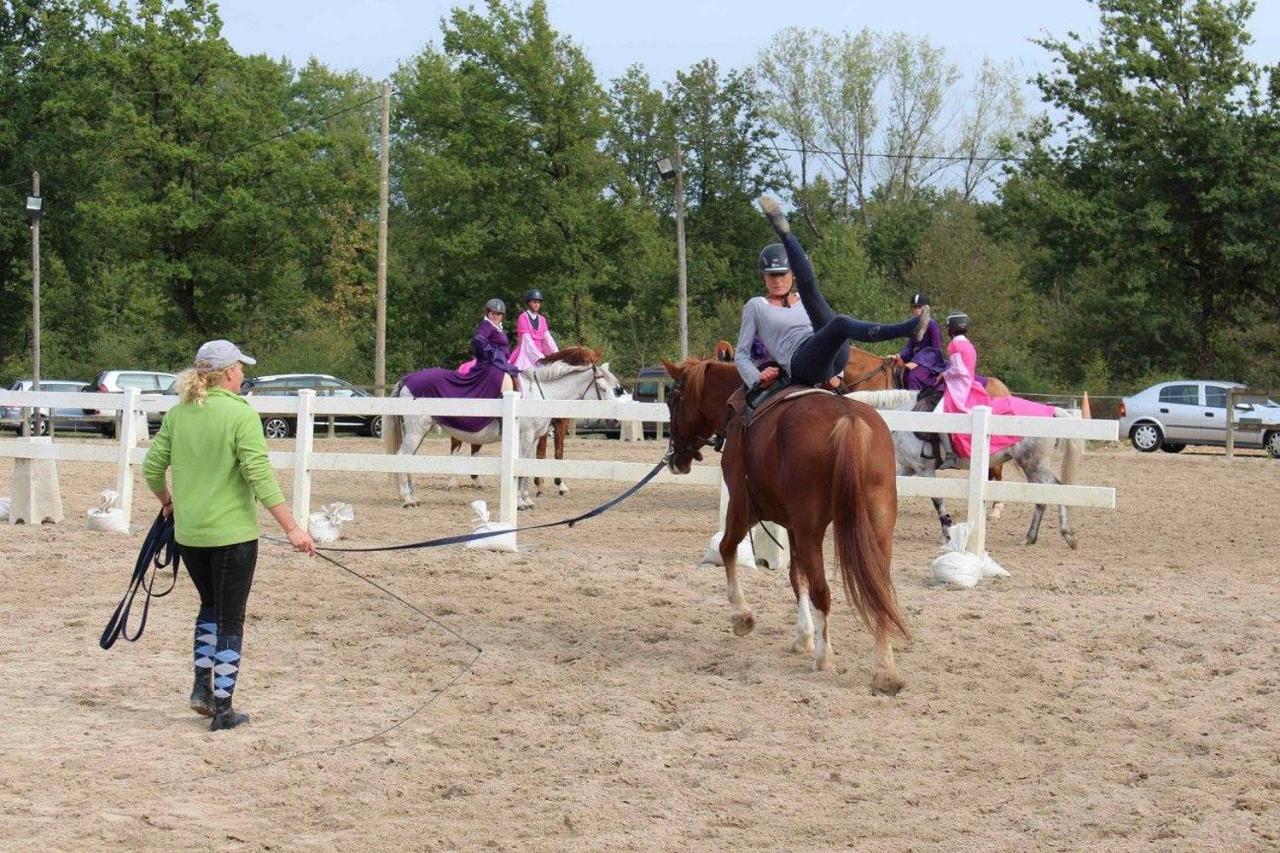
{"points": [[1084, 405]]}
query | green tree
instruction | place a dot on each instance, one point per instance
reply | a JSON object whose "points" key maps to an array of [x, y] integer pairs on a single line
{"points": [[1153, 204]]}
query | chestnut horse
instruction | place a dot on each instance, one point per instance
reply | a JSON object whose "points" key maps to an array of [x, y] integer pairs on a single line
{"points": [[580, 356], [802, 463], [867, 371]]}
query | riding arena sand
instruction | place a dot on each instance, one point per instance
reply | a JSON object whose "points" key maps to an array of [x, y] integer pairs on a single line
{"points": [[1119, 697]]}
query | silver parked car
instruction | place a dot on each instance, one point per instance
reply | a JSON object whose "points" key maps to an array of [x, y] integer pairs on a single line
{"points": [[1171, 415], [64, 418]]}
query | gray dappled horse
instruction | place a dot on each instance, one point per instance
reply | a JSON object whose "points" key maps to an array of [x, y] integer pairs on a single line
{"points": [[1032, 454]]}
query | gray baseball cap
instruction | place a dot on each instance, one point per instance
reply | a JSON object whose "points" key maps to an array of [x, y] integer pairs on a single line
{"points": [[216, 355]]}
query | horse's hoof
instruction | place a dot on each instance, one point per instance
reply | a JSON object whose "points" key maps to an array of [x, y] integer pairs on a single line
{"points": [[885, 683], [743, 623], [803, 646], [996, 510], [410, 504], [824, 663], [563, 491], [1029, 540], [1072, 542]]}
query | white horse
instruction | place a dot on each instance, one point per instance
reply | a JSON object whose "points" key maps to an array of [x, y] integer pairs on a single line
{"points": [[1033, 455], [555, 381]]}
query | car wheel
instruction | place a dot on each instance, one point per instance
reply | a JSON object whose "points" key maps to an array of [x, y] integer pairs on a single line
{"points": [[1173, 448], [375, 427], [1272, 444], [277, 427], [1147, 438]]}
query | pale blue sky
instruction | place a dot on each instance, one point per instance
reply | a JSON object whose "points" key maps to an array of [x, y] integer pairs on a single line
{"points": [[374, 36]]}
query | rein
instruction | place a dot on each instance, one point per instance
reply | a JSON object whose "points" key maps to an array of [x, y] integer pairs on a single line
{"points": [[885, 366]]}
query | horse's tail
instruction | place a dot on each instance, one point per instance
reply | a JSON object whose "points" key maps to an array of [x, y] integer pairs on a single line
{"points": [[864, 565], [1073, 453], [393, 427]]}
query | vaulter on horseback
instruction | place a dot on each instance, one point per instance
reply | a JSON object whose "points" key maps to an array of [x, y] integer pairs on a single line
{"points": [[810, 346], [488, 375], [921, 359]]}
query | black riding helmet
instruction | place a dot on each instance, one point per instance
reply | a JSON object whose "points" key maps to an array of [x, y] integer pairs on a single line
{"points": [[773, 258], [957, 323], [919, 300], [532, 296]]}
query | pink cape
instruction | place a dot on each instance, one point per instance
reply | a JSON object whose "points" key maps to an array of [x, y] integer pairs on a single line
{"points": [[962, 394]]}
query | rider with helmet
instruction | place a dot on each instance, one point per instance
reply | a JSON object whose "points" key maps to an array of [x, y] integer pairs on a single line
{"points": [[534, 342], [922, 359], [963, 391], [811, 345]]}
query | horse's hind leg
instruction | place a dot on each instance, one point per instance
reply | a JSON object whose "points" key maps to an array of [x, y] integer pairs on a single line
{"points": [[1064, 526], [541, 454], [736, 524], [454, 446], [475, 478], [561, 428], [803, 644], [806, 557], [1033, 532]]}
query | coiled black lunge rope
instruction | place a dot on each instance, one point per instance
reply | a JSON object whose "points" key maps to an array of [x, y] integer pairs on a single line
{"points": [[159, 551]]}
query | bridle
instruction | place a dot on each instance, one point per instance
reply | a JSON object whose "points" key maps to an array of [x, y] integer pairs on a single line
{"points": [[885, 366], [596, 375], [686, 446]]}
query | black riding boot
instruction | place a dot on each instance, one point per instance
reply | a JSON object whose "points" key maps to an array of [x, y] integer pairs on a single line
{"points": [[224, 716], [225, 671], [203, 649], [202, 694]]}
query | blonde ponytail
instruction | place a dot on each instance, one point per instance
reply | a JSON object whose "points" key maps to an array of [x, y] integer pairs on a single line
{"points": [[194, 385]]}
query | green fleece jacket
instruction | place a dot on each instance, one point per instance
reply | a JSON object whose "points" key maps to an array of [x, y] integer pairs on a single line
{"points": [[219, 462]]}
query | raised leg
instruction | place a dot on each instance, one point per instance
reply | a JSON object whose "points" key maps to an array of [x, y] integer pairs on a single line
{"points": [[413, 428], [996, 475], [1033, 532], [736, 524], [944, 518]]}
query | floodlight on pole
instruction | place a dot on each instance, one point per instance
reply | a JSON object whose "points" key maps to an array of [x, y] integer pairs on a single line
{"points": [[670, 168], [35, 207]]}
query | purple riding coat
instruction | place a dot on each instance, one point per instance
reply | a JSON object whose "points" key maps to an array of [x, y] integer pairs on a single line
{"points": [[927, 354], [491, 348]]}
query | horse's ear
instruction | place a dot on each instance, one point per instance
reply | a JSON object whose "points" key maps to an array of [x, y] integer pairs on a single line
{"points": [[724, 351], [675, 371]]}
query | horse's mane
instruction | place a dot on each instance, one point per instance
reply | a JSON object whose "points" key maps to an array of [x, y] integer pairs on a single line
{"points": [[580, 356], [550, 370], [896, 399], [695, 373]]}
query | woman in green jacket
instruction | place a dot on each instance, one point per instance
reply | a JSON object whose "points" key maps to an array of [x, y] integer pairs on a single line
{"points": [[213, 442]]}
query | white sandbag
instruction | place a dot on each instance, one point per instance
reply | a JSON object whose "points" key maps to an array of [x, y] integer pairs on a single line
{"points": [[482, 524], [325, 525], [108, 516], [744, 559], [4, 510], [959, 567]]}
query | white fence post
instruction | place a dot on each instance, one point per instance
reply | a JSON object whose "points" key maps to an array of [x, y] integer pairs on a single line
{"points": [[979, 462], [127, 435], [507, 464], [305, 429]]}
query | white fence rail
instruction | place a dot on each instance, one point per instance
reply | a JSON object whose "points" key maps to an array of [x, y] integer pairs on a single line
{"points": [[306, 407]]}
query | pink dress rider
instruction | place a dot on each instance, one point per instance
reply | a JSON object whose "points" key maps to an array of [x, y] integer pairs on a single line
{"points": [[962, 393], [535, 341]]}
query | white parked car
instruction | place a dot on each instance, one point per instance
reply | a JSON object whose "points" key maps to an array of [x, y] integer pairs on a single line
{"points": [[1171, 415], [115, 381]]}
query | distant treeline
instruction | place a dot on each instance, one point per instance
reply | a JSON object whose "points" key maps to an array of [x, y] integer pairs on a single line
{"points": [[192, 192]]}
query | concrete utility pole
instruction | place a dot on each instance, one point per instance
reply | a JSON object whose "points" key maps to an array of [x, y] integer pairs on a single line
{"points": [[683, 293], [380, 319]]}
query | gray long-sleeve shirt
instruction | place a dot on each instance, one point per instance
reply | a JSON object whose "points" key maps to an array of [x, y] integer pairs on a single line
{"points": [[781, 329]]}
